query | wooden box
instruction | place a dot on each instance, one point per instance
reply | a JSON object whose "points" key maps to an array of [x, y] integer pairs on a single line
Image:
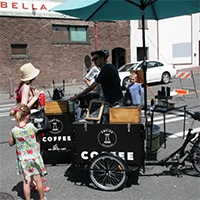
{"points": [[125, 115], [55, 107]]}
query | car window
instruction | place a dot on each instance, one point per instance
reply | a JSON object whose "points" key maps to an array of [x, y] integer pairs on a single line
{"points": [[140, 66], [124, 68], [127, 67], [133, 67], [152, 64], [160, 64]]}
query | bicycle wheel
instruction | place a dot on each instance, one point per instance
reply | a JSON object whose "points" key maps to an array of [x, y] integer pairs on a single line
{"points": [[107, 172], [196, 157]]}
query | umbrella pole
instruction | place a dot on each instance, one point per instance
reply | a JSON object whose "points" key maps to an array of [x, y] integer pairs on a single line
{"points": [[144, 66]]}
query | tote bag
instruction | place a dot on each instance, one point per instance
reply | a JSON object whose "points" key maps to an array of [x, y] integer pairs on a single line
{"points": [[40, 120]]}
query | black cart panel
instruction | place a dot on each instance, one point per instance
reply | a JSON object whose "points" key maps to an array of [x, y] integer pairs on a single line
{"points": [[59, 136], [124, 140]]}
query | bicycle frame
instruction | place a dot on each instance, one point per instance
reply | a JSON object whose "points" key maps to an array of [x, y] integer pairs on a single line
{"points": [[180, 152]]}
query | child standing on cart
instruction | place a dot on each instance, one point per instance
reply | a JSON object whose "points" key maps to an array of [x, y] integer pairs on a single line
{"points": [[29, 161], [135, 88]]}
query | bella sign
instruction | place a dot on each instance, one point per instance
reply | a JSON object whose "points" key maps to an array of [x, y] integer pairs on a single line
{"points": [[27, 8], [16, 5]]}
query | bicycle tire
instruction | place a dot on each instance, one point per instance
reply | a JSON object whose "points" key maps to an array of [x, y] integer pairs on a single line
{"points": [[107, 172], [196, 157]]}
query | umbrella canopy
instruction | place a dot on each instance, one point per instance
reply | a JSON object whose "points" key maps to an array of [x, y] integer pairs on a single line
{"points": [[106, 10], [109, 10]]}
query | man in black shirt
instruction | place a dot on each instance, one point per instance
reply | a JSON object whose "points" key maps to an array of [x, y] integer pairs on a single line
{"points": [[108, 78]]}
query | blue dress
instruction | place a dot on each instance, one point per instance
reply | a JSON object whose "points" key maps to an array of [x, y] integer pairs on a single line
{"points": [[29, 161]]}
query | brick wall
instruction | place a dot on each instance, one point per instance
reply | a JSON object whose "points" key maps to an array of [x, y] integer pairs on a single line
{"points": [[55, 61]]}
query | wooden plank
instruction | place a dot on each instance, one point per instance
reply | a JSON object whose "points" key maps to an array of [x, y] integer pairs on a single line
{"points": [[95, 110], [56, 107], [125, 115]]}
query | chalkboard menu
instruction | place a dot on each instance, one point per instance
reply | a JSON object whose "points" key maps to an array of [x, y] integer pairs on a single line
{"points": [[95, 110]]}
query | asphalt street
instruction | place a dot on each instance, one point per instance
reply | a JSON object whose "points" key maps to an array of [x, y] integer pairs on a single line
{"points": [[68, 182]]}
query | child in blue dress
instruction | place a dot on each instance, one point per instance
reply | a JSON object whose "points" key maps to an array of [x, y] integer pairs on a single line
{"points": [[135, 88], [29, 162]]}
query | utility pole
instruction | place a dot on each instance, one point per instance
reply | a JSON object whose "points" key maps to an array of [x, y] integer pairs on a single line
{"points": [[96, 35]]}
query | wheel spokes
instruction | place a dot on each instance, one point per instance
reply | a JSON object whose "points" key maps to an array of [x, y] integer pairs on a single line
{"points": [[108, 172]]}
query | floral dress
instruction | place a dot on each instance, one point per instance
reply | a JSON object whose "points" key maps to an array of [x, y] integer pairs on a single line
{"points": [[29, 161]]}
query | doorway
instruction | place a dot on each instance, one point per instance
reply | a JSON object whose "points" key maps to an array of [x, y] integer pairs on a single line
{"points": [[118, 57]]}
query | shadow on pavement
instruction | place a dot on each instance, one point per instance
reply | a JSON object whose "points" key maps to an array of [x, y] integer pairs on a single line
{"points": [[77, 175], [19, 189], [80, 177], [187, 170]]}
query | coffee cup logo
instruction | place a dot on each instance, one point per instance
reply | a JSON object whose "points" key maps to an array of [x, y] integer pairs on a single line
{"points": [[107, 138], [56, 126]]}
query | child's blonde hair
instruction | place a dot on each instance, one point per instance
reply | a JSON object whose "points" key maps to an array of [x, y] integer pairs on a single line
{"points": [[133, 75], [20, 112]]}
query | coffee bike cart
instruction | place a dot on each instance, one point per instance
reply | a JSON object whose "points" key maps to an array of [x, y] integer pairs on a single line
{"points": [[108, 150]]}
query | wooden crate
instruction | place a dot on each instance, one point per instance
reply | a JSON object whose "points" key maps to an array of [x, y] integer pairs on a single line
{"points": [[125, 115], [56, 107]]}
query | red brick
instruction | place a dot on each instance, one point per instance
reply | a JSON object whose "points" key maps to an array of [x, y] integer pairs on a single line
{"points": [[55, 61]]}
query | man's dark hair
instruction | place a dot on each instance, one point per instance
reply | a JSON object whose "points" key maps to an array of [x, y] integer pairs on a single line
{"points": [[100, 53]]}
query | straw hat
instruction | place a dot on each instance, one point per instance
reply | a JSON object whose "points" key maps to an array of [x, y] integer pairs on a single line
{"points": [[28, 72]]}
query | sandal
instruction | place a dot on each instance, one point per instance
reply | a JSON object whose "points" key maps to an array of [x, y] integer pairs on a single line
{"points": [[46, 189], [43, 179], [34, 188]]}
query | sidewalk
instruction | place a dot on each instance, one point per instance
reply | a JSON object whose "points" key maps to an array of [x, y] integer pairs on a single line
{"points": [[195, 70], [71, 90]]}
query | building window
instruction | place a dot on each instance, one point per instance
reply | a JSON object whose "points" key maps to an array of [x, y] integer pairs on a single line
{"points": [[140, 24], [19, 50], [63, 33], [140, 53]]}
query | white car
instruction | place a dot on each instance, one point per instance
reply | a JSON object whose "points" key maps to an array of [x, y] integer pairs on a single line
{"points": [[156, 72]]}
